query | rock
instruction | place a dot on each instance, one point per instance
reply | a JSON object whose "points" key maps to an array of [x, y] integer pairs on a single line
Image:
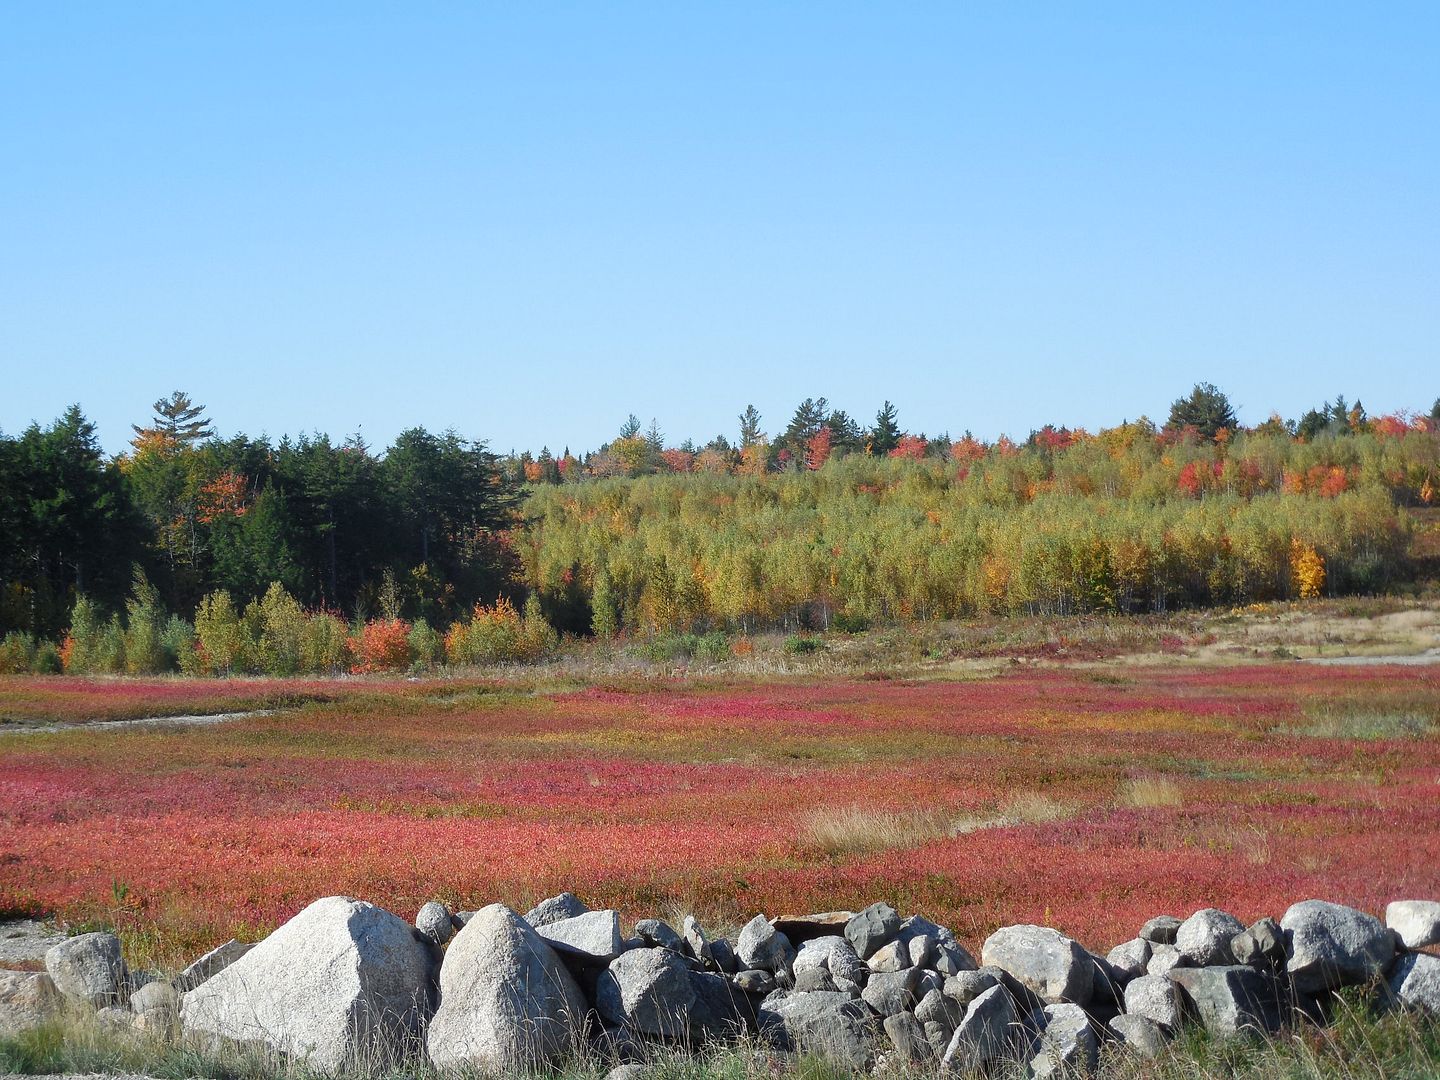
{"points": [[341, 981], [1161, 930], [1067, 1043], [907, 1035], [829, 963], [89, 969], [723, 956], [507, 1002], [565, 906], [1415, 922], [211, 964], [1204, 938], [1044, 961], [990, 1029], [1141, 1035], [1228, 999], [755, 982], [155, 997], [435, 922], [720, 1011], [1260, 946], [876, 926], [1128, 960], [118, 1020], [633, 1071], [802, 928], [1106, 985], [649, 991], [1156, 998], [889, 992], [1415, 981], [829, 1024], [1165, 959], [461, 918], [658, 934], [695, 938], [594, 936], [892, 957], [922, 951], [1331, 945], [966, 986], [25, 941], [28, 999], [937, 1008], [761, 946]]}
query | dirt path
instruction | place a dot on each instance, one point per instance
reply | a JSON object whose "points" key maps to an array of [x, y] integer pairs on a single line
{"points": [[1429, 656], [149, 721]]}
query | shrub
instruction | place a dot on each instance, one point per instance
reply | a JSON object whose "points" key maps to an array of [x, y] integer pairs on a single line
{"points": [[46, 660], [712, 647], [381, 645], [144, 649], [849, 624], [17, 653], [178, 641], [219, 633], [280, 622], [325, 643], [427, 645], [499, 634], [798, 645], [82, 641]]}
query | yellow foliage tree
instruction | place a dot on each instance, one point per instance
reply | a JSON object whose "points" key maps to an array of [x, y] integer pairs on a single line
{"points": [[1307, 567]]}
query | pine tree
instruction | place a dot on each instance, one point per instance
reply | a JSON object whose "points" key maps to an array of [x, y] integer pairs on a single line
{"points": [[1207, 410], [885, 435], [178, 419], [750, 432]]}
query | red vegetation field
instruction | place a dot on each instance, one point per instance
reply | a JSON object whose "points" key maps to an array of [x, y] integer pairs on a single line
{"points": [[1155, 791]]}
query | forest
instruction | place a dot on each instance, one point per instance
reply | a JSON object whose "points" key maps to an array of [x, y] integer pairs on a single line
{"points": [[194, 552]]}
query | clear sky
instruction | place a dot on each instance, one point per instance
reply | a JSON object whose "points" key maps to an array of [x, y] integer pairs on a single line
{"points": [[527, 220]]}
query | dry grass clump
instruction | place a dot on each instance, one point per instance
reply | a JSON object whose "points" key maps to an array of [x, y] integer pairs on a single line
{"points": [[1145, 792], [854, 830]]}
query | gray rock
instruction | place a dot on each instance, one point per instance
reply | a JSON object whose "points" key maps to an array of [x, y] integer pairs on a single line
{"points": [[211, 964], [658, 934], [937, 1008], [1204, 938], [342, 981], [696, 940], [922, 951], [951, 959], [892, 957], [1143, 1036], [1331, 945], [829, 963], [1128, 960], [965, 987], [1161, 930], [649, 991], [755, 982], [25, 941], [889, 992], [435, 922], [461, 918], [1228, 999], [907, 1035], [723, 956], [1415, 922], [801, 928], [720, 1010], [89, 969], [507, 1001], [118, 1020], [1106, 985], [28, 999], [761, 946], [1261, 945], [594, 936], [156, 997], [1045, 962], [876, 926], [1067, 1043], [565, 906], [633, 1071], [1155, 998], [829, 1024], [1415, 981], [1165, 959], [989, 1030]]}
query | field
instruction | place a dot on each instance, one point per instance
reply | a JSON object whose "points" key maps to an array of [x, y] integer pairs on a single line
{"points": [[1087, 797]]}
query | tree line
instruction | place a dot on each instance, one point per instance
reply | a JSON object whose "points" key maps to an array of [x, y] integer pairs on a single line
{"points": [[829, 522]]}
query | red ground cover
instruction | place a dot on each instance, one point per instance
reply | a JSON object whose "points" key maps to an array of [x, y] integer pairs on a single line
{"points": [[680, 796]]}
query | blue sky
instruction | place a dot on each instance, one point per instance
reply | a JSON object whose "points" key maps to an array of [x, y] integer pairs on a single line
{"points": [[526, 221]]}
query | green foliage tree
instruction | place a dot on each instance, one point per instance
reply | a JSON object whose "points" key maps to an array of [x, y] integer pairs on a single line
{"points": [[1207, 410], [885, 435]]}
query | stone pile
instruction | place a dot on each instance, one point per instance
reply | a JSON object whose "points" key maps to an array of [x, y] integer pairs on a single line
{"points": [[345, 982]]}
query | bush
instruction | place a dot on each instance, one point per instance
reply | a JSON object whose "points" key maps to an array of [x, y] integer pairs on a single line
{"points": [[144, 649], [797, 645], [849, 624], [381, 645], [219, 634], [17, 653], [278, 623], [83, 640], [427, 645], [46, 660], [499, 634], [325, 645], [178, 641], [712, 647]]}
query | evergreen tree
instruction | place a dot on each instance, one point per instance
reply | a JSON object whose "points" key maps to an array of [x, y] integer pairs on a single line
{"points": [[1207, 410], [179, 420], [885, 435], [750, 432]]}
